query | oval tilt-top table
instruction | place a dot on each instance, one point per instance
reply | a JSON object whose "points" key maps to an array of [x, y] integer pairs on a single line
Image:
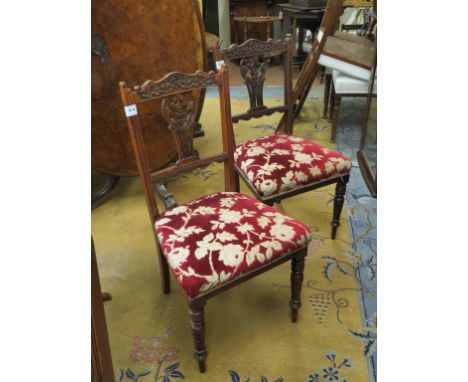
{"points": [[132, 41]]}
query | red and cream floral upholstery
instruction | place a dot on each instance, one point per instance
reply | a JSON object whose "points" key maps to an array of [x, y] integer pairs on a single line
{"points": [[216, 238], [281, 162]]}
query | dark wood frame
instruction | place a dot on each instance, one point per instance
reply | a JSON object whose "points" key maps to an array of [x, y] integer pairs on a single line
{"points": [[175, 90], [257, 48]]}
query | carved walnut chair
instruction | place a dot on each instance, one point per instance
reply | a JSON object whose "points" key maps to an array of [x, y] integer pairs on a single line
{"points": [[282, 165], [220, 240]]}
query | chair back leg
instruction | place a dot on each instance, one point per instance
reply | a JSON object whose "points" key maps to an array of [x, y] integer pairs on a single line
{"points": [[338, 203]]}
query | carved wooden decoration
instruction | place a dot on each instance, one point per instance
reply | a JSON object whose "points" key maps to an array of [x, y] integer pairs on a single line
{"points": [[253, 55], [175, 82], [179, 106], [253, 72], [253, 48], [180, 112]]}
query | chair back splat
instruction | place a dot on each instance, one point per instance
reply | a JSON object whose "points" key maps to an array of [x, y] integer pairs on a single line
{"points": [[253, 55], [179, 108]]}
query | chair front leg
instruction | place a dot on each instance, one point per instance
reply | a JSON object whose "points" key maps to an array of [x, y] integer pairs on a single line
{"points": [[197, 324], [297, 275], [338, 203]]}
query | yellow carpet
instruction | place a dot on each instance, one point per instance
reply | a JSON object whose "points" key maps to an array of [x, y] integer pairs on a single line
{"points": [[248, 330]]}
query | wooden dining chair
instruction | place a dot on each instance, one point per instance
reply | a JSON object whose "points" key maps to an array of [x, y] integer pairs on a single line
{"points": [[279, 166], [343, 85], [220, 240], [347, 60]]}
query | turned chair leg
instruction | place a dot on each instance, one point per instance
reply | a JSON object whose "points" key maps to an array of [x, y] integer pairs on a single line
{"points": [[326, 95], [338, 203], [197, 324], [336, 114], [297, 275]]}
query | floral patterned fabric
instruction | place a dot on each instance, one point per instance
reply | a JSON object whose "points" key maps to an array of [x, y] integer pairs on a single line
{"points": [[216, 238], [282, 162]]}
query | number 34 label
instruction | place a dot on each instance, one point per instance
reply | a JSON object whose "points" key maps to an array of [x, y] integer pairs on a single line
{"points": [[131, 110]]}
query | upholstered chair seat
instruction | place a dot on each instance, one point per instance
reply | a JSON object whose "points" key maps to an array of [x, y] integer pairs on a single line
{"points": [[281, 163], [342, 83], [214, 239], [345, 84]]}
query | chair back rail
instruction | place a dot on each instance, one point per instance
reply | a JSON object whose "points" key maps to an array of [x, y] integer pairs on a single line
{"points": [[179, 109], [252, 55]]}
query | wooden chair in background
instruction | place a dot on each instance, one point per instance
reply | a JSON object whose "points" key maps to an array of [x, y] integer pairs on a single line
{"points": [[343, 85], [220, 240], [347, 59], [282, 165]]}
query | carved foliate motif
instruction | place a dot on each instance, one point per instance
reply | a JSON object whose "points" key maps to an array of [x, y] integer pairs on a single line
{"points": [[180, 112], [254, 47], [174, 82], [253, 72]]}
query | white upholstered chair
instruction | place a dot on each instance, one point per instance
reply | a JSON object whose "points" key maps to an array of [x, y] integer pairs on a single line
{"points": [[344, 85], [344, 78]]}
